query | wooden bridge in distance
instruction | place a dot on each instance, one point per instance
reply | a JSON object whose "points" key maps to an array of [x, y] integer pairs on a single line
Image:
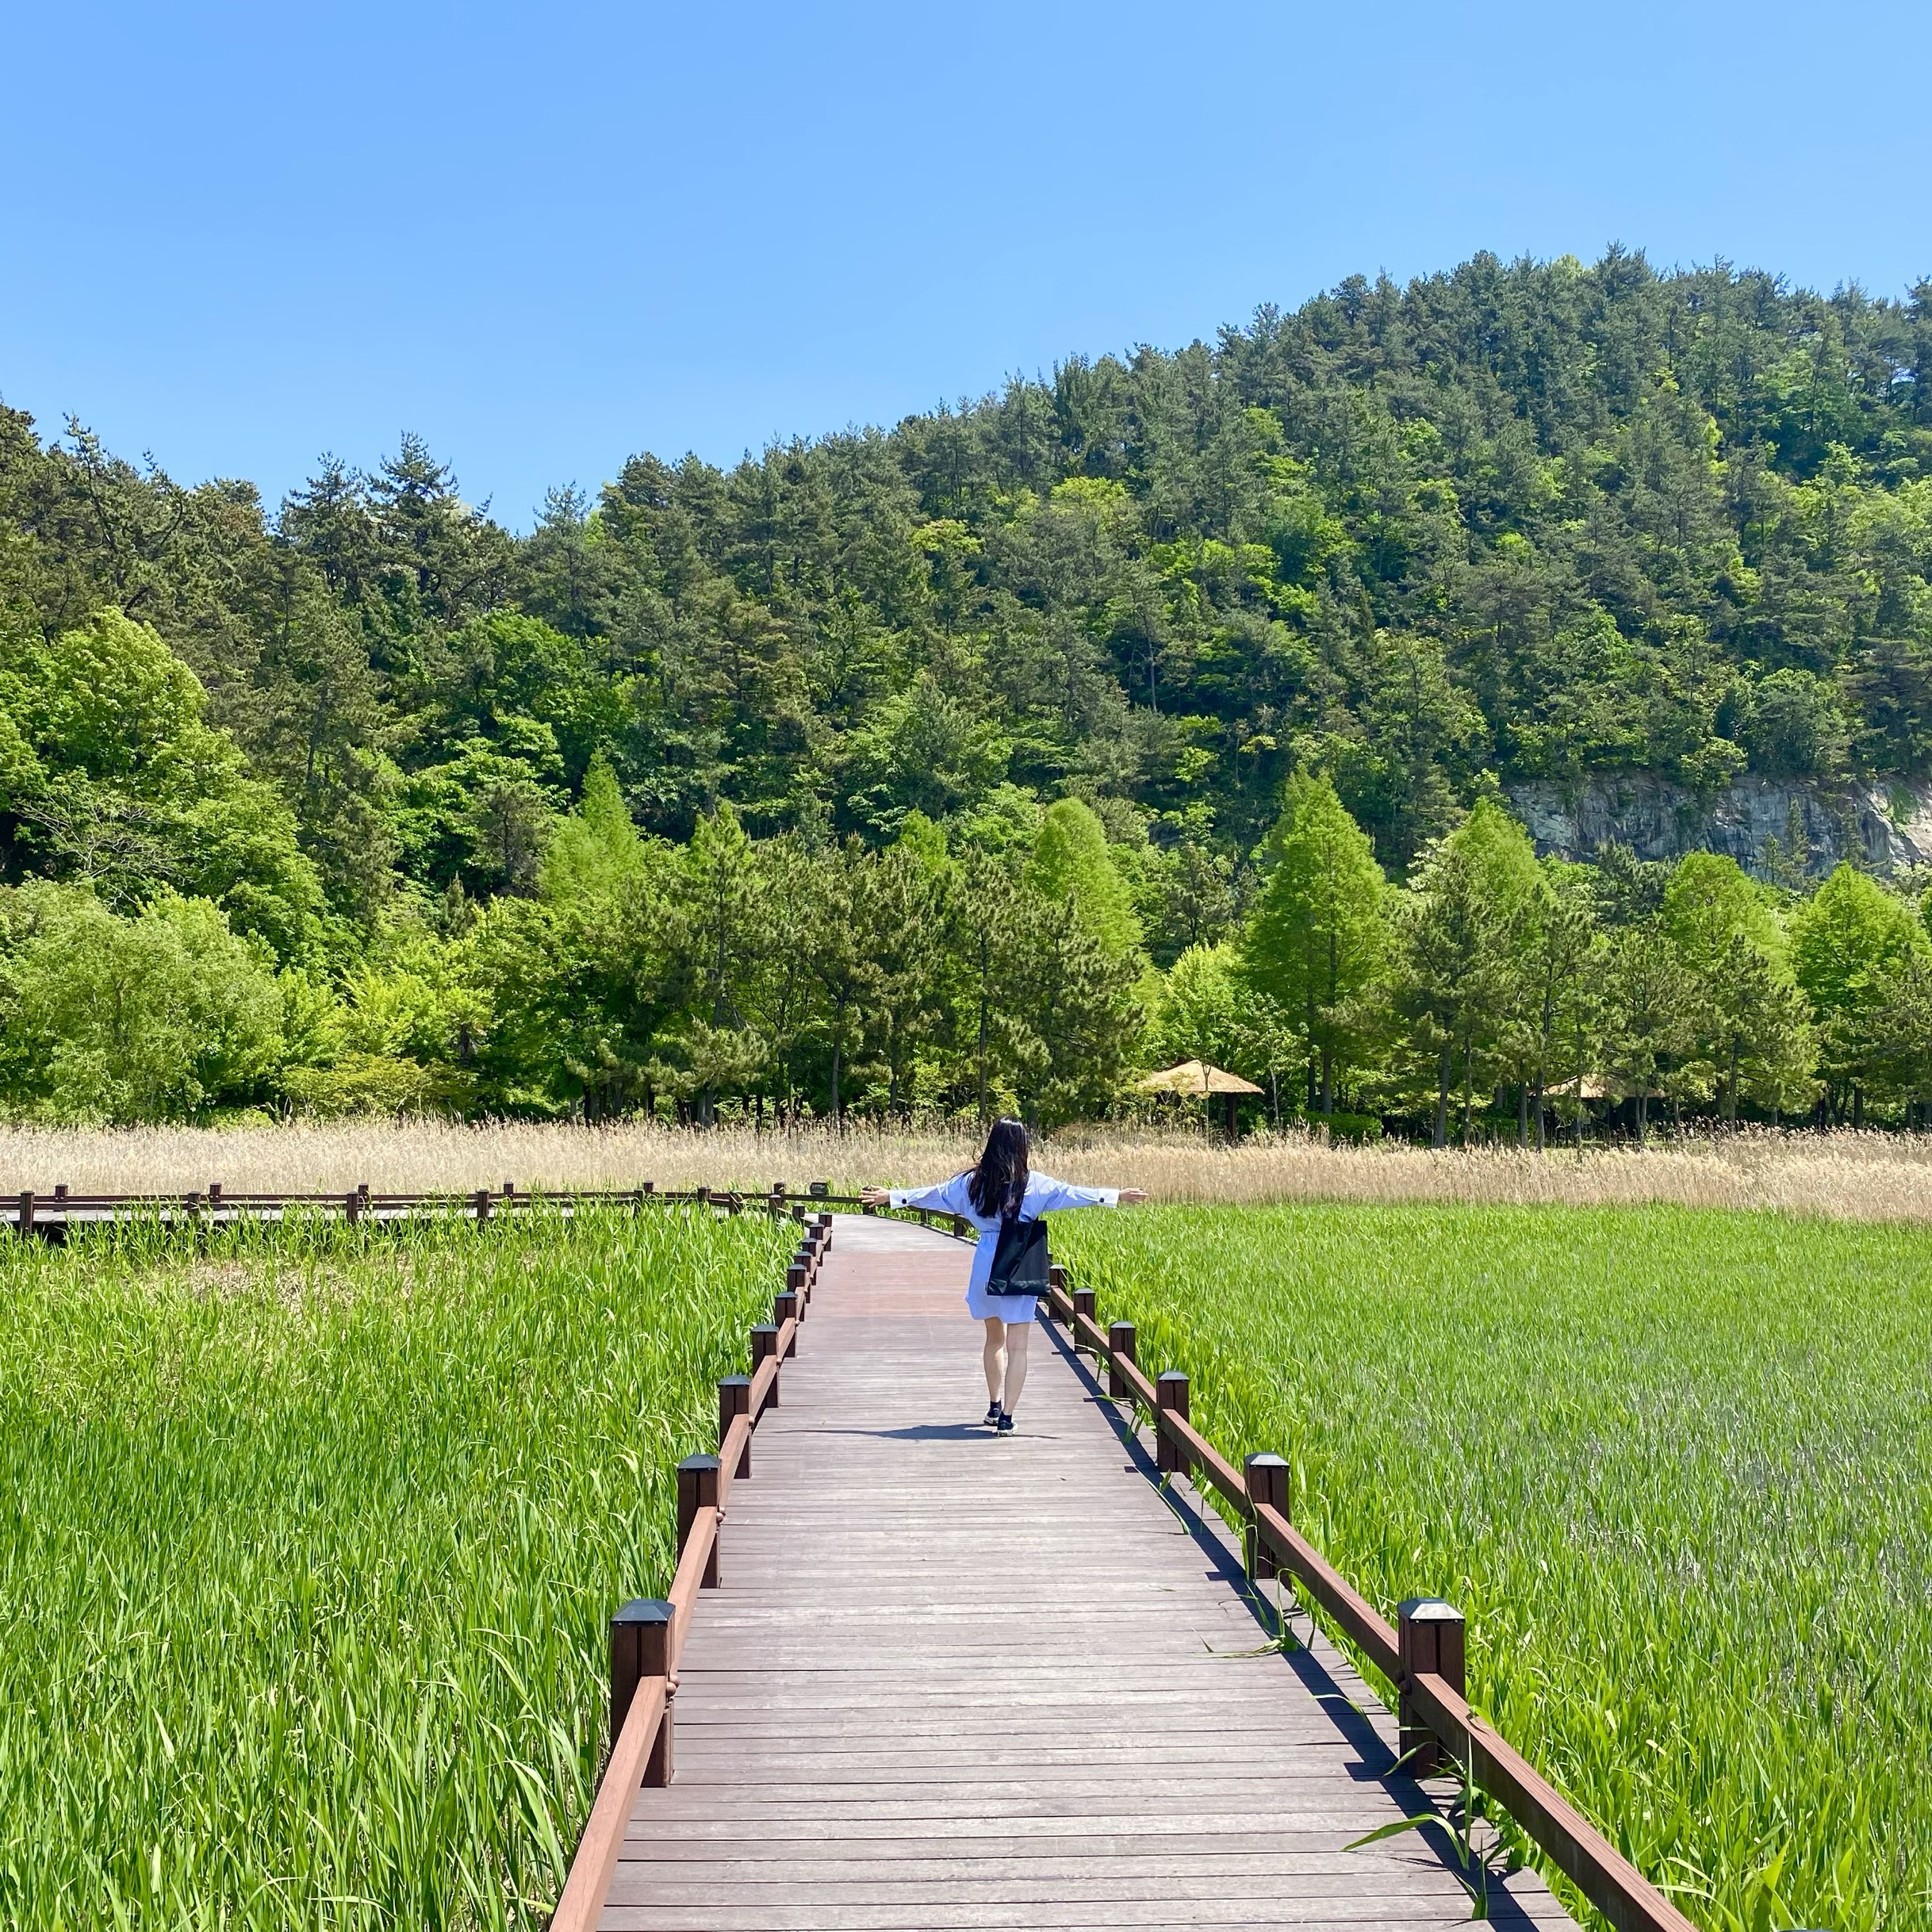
{"points": [[948, 1679]]}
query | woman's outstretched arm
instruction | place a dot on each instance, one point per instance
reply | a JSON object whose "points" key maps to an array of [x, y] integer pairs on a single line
{"points": [[945, 1197], [1064, 1195]]}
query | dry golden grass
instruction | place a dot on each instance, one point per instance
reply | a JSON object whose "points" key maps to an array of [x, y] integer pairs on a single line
{"points": [[1860, 1176]]}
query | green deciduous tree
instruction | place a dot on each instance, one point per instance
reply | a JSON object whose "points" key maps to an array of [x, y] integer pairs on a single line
{"points": [[115, 780], [1848, 941], [1079, 1005], [1552, 1009], [1747, 1021], [1199, 1016], [1071, 865], [908, 913], [163, 1016], [1648, 1034], [1902, 1030], [1318, 939], [1462, 925]]}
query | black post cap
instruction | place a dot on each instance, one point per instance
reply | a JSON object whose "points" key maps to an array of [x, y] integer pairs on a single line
{"points": [[644, 1610]]}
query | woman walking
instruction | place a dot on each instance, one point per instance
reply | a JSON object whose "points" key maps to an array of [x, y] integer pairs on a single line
{"points": [[1001, 1189]]}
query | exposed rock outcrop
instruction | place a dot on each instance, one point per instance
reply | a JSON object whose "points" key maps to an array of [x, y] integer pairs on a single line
{"points": [[1769, 826]]}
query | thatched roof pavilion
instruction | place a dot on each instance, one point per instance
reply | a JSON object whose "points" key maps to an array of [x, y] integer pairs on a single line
{"points": [[1197, 1078]]}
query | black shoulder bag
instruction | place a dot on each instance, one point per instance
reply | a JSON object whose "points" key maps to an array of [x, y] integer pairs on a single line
{"points": [[1020, 1262]]}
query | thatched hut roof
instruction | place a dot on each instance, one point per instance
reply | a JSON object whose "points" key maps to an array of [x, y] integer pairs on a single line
{"points": [[1196, 1076], [1603, 1086]]}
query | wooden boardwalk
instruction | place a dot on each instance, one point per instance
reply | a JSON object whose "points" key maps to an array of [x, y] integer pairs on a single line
{"points": [[956, 1681]]}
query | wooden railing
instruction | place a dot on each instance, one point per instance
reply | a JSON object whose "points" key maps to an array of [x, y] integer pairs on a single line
{"points": [[29, 1212], [1421, 1654], [647, 1636]]}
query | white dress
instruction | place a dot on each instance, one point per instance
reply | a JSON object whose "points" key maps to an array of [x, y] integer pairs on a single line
{"points": [[1044, 1195]]}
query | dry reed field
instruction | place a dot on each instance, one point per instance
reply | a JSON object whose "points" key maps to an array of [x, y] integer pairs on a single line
{"points": [[1842, 1175]]}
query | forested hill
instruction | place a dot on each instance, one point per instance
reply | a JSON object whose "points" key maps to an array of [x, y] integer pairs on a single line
{"points": [[1517, 521]]}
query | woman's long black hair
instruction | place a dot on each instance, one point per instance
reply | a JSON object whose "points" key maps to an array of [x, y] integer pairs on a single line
{"points": [[998, 1184]]}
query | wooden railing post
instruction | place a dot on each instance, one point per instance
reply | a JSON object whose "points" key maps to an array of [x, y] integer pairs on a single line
{"points": [[640, 1648], [764, 1342], [214, 1194], [1267, 1476], [785, 1308], [481, 1200], [25, 1224], [60, 1190], [631, 1652], [1428, 1637], [352, 1207], [734, 1401], [647, 1187], [1083, 1304], [795, 1274], [1120, 1346], [697, 1489], [1170, 1394]]}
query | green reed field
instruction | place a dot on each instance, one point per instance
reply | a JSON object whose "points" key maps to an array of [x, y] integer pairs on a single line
{"points": [[1676, 1466], [309, 1544]]}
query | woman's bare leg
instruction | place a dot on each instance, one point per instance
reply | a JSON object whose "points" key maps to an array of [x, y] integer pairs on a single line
{"points": [[1017, 1333], [995, 1357]]}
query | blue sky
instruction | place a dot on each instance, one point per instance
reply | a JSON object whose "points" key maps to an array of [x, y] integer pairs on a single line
{"points": [[237, 236]]}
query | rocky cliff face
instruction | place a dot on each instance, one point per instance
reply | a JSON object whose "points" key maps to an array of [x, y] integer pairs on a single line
{"points": [[1768, 824]]}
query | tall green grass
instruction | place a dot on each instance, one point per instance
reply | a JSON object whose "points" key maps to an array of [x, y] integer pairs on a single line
{"points": [[1675, 1466], [309, 1542]]}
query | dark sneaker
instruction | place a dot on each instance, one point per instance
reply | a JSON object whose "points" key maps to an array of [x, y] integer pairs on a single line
{"points": [[1005, 1423], [992, 1416]]}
